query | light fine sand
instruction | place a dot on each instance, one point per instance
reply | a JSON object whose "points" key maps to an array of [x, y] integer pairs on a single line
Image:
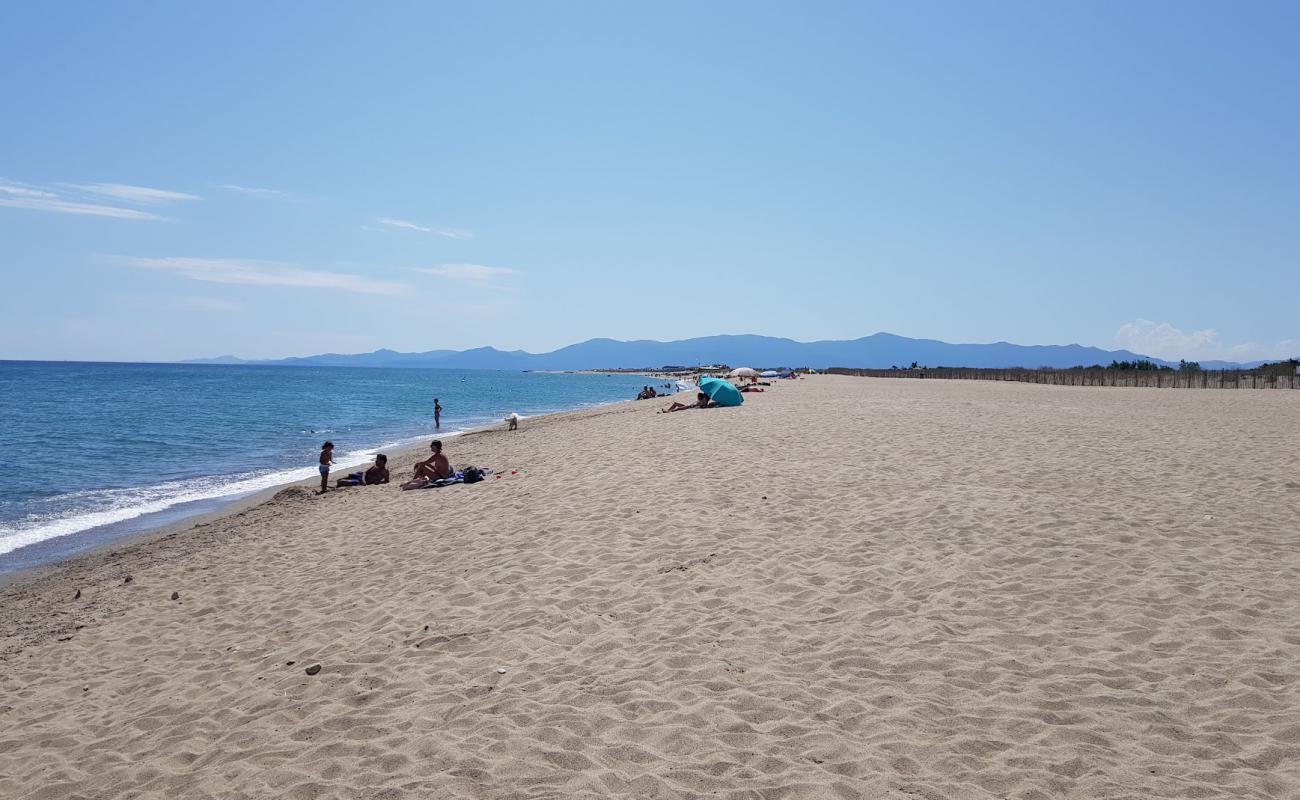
{"points": [[845, 588]]}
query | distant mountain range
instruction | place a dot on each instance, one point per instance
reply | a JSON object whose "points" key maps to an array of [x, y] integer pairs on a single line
{"points": [[879, 351]]}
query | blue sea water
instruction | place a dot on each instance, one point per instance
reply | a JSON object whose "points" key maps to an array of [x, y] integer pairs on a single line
{"points": [[95, 447]]}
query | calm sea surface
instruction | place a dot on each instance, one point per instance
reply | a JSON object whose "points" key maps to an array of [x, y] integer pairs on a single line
{"points": [[96, 451]]}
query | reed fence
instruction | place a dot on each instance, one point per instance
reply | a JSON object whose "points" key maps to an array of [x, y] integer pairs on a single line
{"points": [[1202, 379]]}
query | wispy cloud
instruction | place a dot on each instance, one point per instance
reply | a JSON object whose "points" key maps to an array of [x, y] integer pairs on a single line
{"points": [[260, 192], [84, 199], [406, 224], [132, 194], [473, 273], [68, 207], [1163, 340], [402, 223], [264, 273], [22, 190], [455, 233]]}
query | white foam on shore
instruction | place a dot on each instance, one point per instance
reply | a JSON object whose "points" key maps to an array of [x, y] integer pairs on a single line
{"points": [[119, 505], [111, 506]]}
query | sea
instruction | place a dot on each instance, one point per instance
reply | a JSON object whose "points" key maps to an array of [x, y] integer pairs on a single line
{"points": [[96, 452]]}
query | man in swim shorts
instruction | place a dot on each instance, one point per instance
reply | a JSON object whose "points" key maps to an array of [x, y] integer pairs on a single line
{"points": [[436, 466]]}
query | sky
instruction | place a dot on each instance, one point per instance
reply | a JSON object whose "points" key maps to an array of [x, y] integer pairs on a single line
{"points": [[182, 180]]}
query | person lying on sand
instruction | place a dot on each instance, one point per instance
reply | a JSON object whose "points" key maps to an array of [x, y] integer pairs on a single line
{"points": [[377, 474], [435, 467], [701, 401]]}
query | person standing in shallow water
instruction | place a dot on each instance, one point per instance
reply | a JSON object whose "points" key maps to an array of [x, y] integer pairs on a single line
{"points": [[437, 414]]}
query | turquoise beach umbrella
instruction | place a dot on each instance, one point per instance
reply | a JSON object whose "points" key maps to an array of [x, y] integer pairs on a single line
{"points": [[721, 392]]}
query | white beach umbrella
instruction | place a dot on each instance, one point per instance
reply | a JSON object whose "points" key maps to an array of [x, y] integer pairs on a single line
{"points": [[742, 372]]}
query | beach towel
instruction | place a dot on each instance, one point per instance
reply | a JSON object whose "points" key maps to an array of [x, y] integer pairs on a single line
{"points": [[459, 477]]}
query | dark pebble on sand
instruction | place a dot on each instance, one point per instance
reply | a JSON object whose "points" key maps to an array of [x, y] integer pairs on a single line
{"points": [[176, 595], [290, 663], [128, 579], [313, 669], [77, 596]]}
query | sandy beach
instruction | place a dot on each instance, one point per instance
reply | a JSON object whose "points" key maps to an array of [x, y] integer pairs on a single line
{"points": [[845, 588]]}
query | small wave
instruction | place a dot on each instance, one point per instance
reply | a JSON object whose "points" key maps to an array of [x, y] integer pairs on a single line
{"points": [[94, 509], [82, 510]]}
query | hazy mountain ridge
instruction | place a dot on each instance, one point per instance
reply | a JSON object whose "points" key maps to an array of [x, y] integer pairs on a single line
{"points": [[878, 351]]}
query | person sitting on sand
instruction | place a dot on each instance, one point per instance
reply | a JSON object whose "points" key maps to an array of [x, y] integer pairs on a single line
{"points": [[701, 401], [377, 474], [435, 467]]}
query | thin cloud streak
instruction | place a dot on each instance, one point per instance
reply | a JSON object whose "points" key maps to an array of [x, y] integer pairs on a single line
{"points": [[455, 233], [23, 190], [474, 273], [43, 198], [132, 194], [402, 223], [406, 224], [259, 191], [264, 273], [70, 207]]}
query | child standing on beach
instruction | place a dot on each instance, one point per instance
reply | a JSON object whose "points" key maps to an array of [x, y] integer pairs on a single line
{"points": [[326, 459]]}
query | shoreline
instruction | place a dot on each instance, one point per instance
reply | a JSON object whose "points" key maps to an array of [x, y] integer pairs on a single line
{"points": [[235, 504], [37, 592]]}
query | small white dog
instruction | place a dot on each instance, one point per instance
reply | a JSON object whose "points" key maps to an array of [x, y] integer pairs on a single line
{"points": [[513, 419]]}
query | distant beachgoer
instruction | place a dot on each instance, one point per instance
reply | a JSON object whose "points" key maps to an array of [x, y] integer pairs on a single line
{"points": [[513, 419], [377, 474], [326, 459], [437, 414], [701, 401]]}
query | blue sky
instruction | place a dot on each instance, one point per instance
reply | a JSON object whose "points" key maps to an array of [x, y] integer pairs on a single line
{"points": [[182, 180]]}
